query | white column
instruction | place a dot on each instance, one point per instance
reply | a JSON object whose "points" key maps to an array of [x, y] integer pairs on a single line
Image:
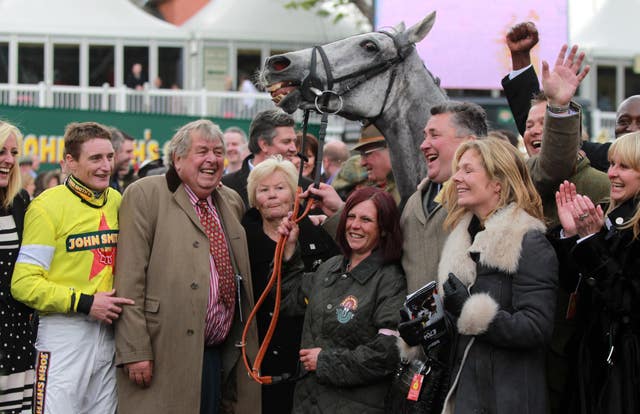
{"points": [[153, 61], [84, 63], [118, 64], [619, 83], [48, 61]]}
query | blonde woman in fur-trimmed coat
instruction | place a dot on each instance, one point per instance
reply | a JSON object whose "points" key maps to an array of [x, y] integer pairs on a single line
{"points": [[498, 273]]}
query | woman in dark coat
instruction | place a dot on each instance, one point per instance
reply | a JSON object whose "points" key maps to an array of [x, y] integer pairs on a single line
{"points": [[271, 189], [606, 250], [498, 273], [16, 333], [350, 306]]}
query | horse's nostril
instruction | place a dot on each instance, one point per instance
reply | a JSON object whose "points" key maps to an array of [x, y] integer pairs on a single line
{"points": [[279, 63]]}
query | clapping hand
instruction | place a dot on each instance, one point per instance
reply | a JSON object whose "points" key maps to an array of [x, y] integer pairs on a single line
{"points": [[577, 213], [564, 204], [589, 218]]}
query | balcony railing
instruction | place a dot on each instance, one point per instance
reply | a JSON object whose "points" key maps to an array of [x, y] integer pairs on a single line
{"points": [[199, 103], [158, 101], [194, 103]]}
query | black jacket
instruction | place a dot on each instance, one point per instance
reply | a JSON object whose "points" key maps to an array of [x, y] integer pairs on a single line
{"points": [[282, 355], [609, 262], [510, 270]]}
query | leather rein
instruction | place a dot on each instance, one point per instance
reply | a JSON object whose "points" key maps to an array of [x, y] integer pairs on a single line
{"points": [[313, 89]]}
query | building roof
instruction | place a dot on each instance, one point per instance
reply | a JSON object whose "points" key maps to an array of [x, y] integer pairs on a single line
{"points": [[84, 18], [607, 28], [260, 20]]}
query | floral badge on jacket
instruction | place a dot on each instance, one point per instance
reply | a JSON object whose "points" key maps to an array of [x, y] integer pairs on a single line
{"points": [[346, 311]]}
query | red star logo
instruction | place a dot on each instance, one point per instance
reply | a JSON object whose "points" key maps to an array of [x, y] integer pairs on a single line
{"points": [[102, 256]]}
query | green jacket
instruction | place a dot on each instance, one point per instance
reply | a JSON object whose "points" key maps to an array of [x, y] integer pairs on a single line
{"points": [[350, 315]]}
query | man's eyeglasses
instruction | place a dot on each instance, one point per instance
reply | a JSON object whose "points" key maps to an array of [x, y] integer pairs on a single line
{"points": [[366, 153]]}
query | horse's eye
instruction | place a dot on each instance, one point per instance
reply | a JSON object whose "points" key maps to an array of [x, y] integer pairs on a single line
{"points": [[369, 46]]}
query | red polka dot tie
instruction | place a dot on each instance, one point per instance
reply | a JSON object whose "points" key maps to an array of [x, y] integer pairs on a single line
{"points": [[220, 253]]}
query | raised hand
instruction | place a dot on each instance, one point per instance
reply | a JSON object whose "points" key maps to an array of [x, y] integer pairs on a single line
{"points": [[520, 39], [560, 85], [107, 307], [564, 204], [588, 217], [326, 198], [290, 230]]}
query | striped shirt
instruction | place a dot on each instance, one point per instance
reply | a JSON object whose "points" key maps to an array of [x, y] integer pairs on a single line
{"points": [[8, 233], [219, 318]]}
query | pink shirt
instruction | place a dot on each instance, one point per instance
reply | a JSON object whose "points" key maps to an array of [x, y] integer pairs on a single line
{"points": [[219, 318]]}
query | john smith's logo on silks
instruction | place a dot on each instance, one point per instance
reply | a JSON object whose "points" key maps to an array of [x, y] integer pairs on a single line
{"points": [[346, 311]]}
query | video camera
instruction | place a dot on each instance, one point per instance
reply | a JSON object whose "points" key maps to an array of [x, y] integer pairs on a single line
{"points": [[426, 304], [421, 302]]}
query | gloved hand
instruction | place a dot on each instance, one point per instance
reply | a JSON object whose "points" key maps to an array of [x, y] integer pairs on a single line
{"points": [[455, 294], [411, 331]]}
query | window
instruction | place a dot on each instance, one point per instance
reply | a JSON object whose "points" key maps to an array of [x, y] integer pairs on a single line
{"points": [[606, 88], [170, 67], [133, 56], [248, 65], [66, 65], [631, 83], [4, 63], [30, 62], [100, 65]]}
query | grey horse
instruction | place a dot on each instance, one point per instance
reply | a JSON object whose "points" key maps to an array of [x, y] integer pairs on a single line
{"points": [[376, 76]]}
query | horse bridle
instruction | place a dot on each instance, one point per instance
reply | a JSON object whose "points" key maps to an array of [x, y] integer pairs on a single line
{"points": [[313, 89]]}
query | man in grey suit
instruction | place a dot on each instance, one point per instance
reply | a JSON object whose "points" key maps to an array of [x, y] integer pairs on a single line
{"points": [[183, 258]]}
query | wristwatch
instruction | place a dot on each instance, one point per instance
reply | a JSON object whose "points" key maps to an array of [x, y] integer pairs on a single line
{"points": [[558, 109]]}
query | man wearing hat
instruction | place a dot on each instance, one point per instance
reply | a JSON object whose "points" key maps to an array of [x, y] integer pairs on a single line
{"points": [[374, 158]]}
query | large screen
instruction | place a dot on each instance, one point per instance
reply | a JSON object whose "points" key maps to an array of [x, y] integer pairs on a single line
{"points": [[466, 47]]}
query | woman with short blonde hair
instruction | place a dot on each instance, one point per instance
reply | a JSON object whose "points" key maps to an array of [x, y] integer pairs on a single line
{"points": [[603, 243], [271, 190], [267, 168]]}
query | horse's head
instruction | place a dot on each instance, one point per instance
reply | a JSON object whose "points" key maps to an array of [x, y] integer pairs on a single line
{"points": [[358, 71]]}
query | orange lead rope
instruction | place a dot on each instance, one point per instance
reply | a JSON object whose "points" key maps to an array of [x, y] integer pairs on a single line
{"points": [[275, 278]]}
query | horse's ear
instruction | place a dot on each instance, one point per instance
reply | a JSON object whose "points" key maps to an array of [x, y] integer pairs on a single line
{"points": [[418, 31], [399, 28]]}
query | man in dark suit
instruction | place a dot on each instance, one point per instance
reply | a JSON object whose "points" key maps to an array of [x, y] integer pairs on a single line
{"points": [[271, 132], [183, 258]]}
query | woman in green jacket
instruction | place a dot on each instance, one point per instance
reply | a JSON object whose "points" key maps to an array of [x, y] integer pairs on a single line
{"points": [[351, 309]]}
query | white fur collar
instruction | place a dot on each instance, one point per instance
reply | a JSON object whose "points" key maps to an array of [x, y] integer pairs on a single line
{"points": [[498, 245]]}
